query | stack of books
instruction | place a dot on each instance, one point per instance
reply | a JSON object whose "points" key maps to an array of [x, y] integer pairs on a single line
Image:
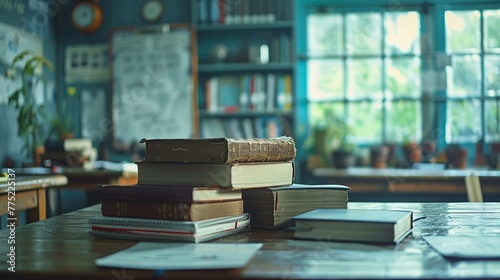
{"points": [[191, 189], [274, 208], [71, 152]]}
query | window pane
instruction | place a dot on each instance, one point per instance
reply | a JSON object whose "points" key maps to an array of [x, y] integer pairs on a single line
{"points": [[324, 34], [492, 74], [462, 31], [404, 121], [463, 121], [492, 31], [325, 79], [364, 33], [366, 122], [403, 77], [364, 78], [402, 33], [464, 77], [492, 120], [320, 114]]}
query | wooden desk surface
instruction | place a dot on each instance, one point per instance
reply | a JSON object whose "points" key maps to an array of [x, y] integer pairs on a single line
{"points": [[61, 247], [24, 183], [27, 193], [79, 178]]}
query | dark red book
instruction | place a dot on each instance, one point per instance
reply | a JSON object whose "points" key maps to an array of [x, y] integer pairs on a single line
{"points": [[179, 211], [165, 193]]}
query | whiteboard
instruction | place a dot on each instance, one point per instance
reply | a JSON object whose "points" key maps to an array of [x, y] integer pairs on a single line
{"points": [[152, 85]]}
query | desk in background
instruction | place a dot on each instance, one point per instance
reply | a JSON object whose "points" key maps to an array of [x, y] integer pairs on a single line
{"points": [[62, 248], [30, 194], [392, 184], [79, 190], [81, 184]]}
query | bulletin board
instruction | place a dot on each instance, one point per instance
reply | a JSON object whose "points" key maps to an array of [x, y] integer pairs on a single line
{"points": [[152, 83], [13, 41]]}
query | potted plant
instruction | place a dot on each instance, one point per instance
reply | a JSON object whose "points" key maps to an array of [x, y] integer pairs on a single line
{"points": [[412, 152], [329, 139], [26, 68], [62, 123], [456, 156], [340, 149]]}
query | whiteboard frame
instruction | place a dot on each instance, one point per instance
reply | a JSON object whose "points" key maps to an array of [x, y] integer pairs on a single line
{"points": [[157, 29]]}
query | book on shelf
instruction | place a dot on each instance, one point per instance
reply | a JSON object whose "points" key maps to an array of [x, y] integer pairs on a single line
{"points": [[234, 175], [234, 128], [227, 12], [166, 230], [252, 92], [354, 225], [269, 126], [248, 127], [212, 128], [178, 211], [220, 150], [165, 193], [273, 208]]}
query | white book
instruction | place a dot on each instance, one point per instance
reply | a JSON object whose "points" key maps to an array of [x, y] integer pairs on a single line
{"points": [[213, 92]]}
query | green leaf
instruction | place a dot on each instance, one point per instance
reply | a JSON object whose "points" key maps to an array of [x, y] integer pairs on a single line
{"points": [[21, 56]]}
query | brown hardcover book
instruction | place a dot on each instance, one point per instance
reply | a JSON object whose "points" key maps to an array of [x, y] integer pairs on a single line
{"points": [[273, 208], [177, 211], [165, 193], [220, 150], [236, 176]]}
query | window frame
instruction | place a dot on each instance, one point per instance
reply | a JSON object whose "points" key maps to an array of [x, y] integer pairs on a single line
{"points": [[433, 24]]}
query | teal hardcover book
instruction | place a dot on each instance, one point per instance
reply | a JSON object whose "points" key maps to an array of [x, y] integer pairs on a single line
{"points": [[354, 225]]}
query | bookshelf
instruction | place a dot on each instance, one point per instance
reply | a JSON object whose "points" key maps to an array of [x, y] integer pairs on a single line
{"points": [[245, 67]]}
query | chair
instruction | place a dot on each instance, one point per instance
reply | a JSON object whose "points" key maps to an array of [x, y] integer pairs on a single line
{"points": [[473, 188]]}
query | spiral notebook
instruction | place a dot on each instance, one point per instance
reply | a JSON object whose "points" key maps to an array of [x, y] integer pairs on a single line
{"points": [[166, 230]]}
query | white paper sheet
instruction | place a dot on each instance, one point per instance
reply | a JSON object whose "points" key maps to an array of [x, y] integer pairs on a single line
{"points": [[466, 246], [177, 256]]}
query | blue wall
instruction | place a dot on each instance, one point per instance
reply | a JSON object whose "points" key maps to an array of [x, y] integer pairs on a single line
{"points": [[32, 17], [116, 14], [51, 19]]}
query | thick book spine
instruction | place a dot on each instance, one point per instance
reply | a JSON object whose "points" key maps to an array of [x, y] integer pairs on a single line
{"points": [[220, 150], [144, 193], [170, 210], [260, 149]]}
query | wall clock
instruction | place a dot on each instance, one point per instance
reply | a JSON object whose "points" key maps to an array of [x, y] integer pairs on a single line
{"points": [[86, 16], [152, 10]]}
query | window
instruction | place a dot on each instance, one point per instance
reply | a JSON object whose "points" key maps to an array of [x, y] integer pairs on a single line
{"points": [[473, 78], [384, 70], [367, 65]]}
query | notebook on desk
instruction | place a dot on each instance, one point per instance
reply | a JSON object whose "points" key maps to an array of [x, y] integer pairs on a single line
{"points": [[168, 230]]}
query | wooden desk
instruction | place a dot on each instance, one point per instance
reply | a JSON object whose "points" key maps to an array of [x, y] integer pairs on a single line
{"points": [[87, 179], [428, 183], [30, 194], [61, 248], [81, 184]]}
